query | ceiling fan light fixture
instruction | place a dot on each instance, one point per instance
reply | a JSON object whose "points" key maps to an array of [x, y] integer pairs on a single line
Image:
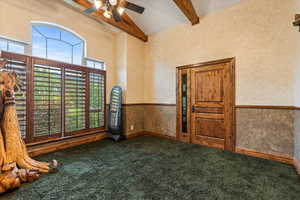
{"points": [[98, 4], [107, 14], [121, 10], [113, 2]]}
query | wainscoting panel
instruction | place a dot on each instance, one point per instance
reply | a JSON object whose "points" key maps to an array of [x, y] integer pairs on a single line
{"points": [[160, 119], [297, 139], [133, 116], [265, 130]]}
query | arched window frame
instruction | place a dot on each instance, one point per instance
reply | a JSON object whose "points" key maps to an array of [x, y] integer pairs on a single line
{"points": [[28, 49], [65, 29]]}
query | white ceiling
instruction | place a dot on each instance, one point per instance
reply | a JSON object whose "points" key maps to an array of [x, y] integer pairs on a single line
{"points": [[163, 14]]}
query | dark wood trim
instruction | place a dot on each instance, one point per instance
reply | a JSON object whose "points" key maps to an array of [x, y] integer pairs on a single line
{"points": [[63, 107], [297, 20], [297, 166], [50, 140], [237, 106], [70, 142], [58, 64], [105, 101], [214, 62], [85, 131], [127, 24], [268, 107], [159, 135], [67, 142], [146, 104], [180, 135], [188, 10], [274, 157], [16, 56], [133, 135], [178, 104], [29, 101], [87, 100], [278, 158], [234, 125]]}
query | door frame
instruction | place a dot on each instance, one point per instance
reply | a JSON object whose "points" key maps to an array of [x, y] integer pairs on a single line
{"points": [[231, 62]]}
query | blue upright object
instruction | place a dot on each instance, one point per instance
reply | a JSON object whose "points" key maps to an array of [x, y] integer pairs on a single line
{"points": [[115, 113]]}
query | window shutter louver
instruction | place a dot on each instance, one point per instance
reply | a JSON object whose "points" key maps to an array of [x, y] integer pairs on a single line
{"points": [[75, 97], [20, 68], [47, 100], [97, 106]]}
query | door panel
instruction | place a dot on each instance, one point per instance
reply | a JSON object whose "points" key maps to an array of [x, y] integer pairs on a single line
{"points": [[212, 105], [212, 90], [210, 127]]}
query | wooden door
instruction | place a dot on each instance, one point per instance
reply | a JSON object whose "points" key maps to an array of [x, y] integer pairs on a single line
{"points": [[212, 105]]}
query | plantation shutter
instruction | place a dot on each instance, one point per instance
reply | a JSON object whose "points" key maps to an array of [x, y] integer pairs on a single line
{"points": [[97, 105], [57, 99], [47, 100], [19, 67], [75, 87]]}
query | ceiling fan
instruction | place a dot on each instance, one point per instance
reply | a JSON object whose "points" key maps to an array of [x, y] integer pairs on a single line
{"points": [[114, 8]]}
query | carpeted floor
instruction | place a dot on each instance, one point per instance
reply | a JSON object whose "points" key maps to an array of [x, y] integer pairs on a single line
{"points": [[153, 168]]}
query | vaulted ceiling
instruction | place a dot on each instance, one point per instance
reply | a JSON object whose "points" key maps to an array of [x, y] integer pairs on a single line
{"points": [[159, 15], [163, 14]]}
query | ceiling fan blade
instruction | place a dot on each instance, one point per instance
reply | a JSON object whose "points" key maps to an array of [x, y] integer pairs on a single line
{"points": [[90, 10], [116, 14], [134, 7]]}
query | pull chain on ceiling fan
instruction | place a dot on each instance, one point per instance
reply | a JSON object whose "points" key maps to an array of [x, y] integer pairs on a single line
{"points": [[114, 8]]}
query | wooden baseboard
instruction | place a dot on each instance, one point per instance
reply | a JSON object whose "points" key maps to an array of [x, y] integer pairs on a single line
{"points": [[297, 166], [51, 146], [274, 157], [133, 135], [55, 146], [159, 135]]}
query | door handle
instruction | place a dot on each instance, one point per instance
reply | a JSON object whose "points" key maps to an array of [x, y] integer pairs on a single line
{"points": [[193, 108]]}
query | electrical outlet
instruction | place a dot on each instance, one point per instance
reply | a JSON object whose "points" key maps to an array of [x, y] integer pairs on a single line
{"points": [[132, 127]]}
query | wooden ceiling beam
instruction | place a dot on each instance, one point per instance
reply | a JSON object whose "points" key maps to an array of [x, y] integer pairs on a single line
{"points": [[127, 24], [297, 21], [186, 6]]}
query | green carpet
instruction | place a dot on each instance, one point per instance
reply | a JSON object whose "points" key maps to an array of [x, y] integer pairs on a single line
{"points": [[153, 168]]}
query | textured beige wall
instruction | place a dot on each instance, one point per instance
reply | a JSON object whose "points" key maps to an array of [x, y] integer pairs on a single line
{"points": [[135, 74], [16, 17], [130, 67], [258, 33], [121, 63]]}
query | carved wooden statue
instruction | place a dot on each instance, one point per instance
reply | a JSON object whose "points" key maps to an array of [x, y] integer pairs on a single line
{"points": [[15, 164]]}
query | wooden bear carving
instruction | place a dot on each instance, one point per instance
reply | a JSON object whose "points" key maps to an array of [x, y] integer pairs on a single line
{"points": [[15, 164]]}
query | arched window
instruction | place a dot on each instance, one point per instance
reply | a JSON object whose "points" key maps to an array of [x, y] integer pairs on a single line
{"points": [[56, 43]]}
